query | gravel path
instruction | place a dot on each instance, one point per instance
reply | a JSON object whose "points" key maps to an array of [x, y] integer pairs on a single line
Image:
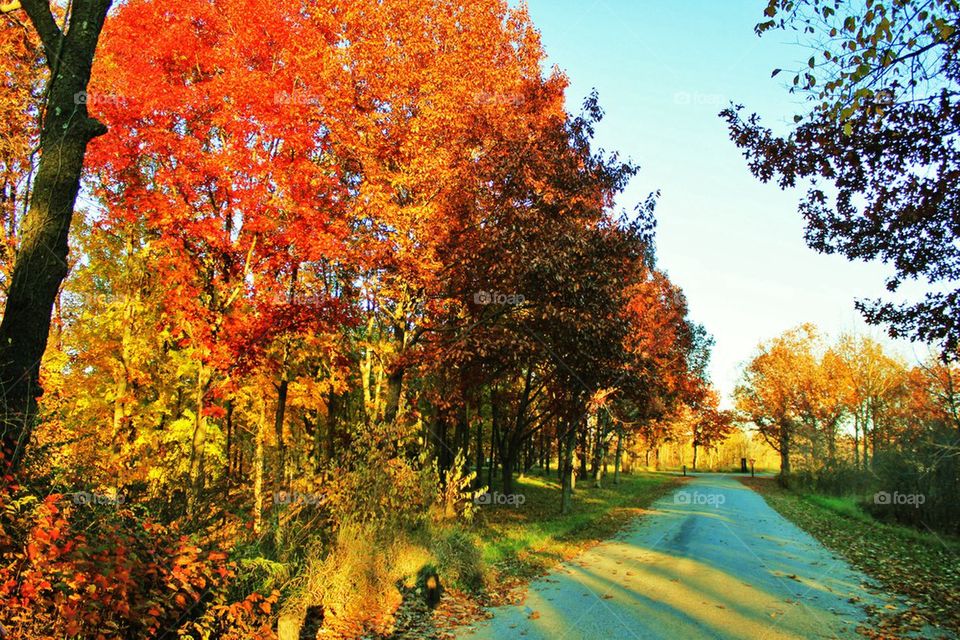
{"points": [[712, 560]]}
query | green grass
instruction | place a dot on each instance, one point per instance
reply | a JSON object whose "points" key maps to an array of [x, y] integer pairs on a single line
{"points": [[845, 506], [921, 567], [849, 506], [526, 540]]}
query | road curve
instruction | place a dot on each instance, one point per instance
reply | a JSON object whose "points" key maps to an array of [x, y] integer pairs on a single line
{"points": [[711, 560]]}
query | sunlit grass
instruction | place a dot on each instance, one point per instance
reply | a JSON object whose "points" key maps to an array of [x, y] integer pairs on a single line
{"points": [[846, 505], [849, 506], [527, 539]]}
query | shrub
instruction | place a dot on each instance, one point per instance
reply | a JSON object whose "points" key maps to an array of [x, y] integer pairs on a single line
{"points": [[929, 475], [378, 488], [94, 572], [460, 560], [928, 471], [356, 583]]}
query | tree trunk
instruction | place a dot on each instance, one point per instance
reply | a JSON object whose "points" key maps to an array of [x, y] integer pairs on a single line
{"points": [[492, 465], [198, 443], [541, 449], [784, 451], [366, 368], [856, 439], [569, 476], [619, 455], [582, 453], [507, 463], [461, 434], [478, 480], [598, 461], [546, 455], [229, 421], [394, 391], [832, 442], [41, 261], [333, 414], [121, 406], [561, 448], [258, 467], [595, 430], [494, 437], [280, 472]]}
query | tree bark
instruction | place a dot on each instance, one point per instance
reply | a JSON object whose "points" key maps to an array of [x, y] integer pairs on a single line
{"points": [[619, 455], [334, 403], [507, 463], [461, 435], [198, 442], [394, 390], [229, 424], [599, 451], [856, 439], [784, 451], [41, 262], [494, 436], [280, 472], [477, 481], [566, 502], [258, 466], [546, 455], [582, 453]]}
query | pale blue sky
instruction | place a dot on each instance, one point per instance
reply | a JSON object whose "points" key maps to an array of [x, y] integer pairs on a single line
{"points": [[663, 70]]}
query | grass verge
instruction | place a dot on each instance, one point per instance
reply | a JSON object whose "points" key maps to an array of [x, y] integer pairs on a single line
{"points": [[922, 568], [526, 541], [519, 543]]}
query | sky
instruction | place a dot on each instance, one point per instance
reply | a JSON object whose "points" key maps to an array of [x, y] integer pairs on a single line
{"points": [[663, 71]]}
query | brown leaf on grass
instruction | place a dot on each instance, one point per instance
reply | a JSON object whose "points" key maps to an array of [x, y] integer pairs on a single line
{"points": [[922, 571]]}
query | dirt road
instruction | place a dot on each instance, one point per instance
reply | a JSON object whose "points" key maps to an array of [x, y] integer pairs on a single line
{"points": [[711, 561]]}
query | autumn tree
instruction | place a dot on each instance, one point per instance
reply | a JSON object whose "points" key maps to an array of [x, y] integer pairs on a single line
{"points": [[241, 211], [343, 248], [666, 359], [710, 425], [19, 108], [873, 379], [770, 393], [41, 262], [877, 145]]}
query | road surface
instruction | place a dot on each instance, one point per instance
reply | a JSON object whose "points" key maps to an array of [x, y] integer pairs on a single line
{"points": [[711, 561]]}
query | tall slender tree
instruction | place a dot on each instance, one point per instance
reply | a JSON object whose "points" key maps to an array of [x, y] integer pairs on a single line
{"points": [[41, 262]]}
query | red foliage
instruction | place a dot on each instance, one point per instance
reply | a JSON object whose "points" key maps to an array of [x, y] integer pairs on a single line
{"points": [[63, 574]]}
